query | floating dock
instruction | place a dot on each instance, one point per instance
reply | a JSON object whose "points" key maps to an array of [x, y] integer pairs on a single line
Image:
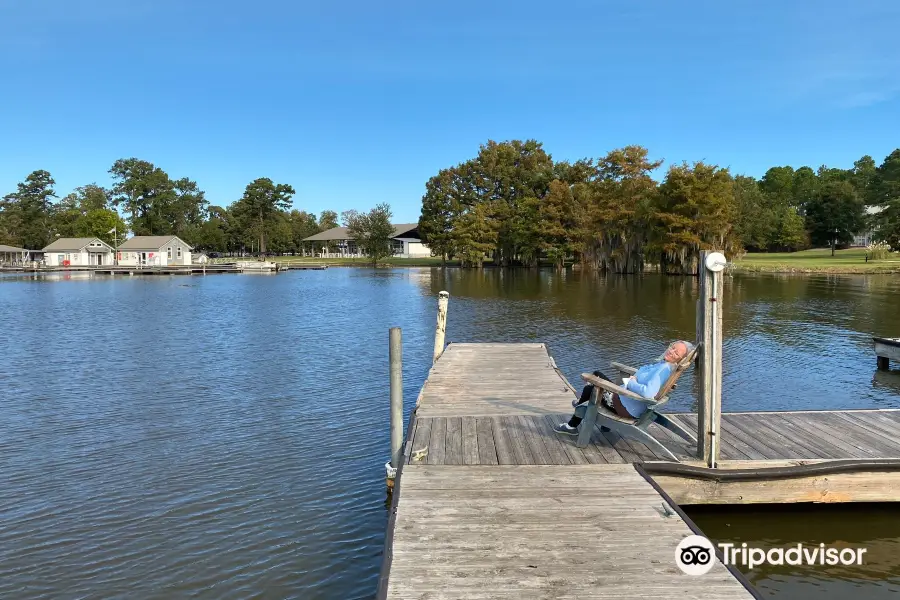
{"points": [[490, 502], [886, 350]]}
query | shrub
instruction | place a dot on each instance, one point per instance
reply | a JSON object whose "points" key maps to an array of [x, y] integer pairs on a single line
{"points": [[878, 251]]}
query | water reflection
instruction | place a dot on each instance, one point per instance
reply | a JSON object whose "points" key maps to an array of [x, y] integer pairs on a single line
{"points": [[875, 528]]}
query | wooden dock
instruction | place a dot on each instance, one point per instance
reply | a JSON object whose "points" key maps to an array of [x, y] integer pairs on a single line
{"points": [[199, 269], [886, 350], [491, 503]]}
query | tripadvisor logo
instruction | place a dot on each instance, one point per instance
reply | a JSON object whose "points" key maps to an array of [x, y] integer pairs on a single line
{"points": [[695, 555]]}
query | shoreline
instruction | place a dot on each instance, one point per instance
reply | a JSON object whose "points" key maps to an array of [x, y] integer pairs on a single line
{"points": [[890, 268]]}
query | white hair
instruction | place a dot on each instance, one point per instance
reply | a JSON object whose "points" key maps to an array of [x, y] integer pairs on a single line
{"points": [[687, 344]]}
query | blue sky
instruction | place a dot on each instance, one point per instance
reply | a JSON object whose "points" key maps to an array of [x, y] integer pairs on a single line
{"points": [[357, 103]]}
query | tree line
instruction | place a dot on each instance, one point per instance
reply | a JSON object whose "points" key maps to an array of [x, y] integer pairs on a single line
{"points": [[146, 200], [513, 204]]}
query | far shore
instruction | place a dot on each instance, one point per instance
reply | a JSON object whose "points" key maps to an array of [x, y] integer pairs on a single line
{"points": [[817, 261]]}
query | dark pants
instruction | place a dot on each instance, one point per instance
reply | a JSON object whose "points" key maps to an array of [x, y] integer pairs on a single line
{"points": [[585, 396]]}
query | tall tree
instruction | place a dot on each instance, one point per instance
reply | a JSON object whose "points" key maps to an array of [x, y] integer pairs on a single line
{"points": [[328, 220], [439, 210], [28, 209], [303, 225], [261, 202], [695, 211], [372, 232], [69, 214], [557, 222], [146, 193], [475, 235], [863, 177], [624, 196], [778, 184], [884, 193], [187, 211], [804, 187], [755, 222], [836, 214], [510, 177]]}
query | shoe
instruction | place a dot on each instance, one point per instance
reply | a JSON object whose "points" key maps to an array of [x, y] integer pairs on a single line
{"points": [[566, 429]]}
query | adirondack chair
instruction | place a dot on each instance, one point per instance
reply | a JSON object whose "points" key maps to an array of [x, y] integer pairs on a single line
{"points": [[629, 427]]}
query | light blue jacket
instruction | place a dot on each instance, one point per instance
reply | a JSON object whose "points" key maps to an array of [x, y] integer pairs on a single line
{"points": [[646, 382]]}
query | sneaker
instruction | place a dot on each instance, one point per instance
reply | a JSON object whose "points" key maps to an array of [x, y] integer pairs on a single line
{"points": [[566, 429]]}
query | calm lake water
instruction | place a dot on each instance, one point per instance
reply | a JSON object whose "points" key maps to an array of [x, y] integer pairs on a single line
{"points": [[225, 436]]}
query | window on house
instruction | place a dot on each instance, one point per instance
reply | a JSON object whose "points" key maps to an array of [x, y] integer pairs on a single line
{"points": [[169, 252], [179, 251]]}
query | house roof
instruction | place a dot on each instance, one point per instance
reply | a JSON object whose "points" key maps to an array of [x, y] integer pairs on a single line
{"points": [[340, 233], [150, 242], [70, 244], [5, 248]]}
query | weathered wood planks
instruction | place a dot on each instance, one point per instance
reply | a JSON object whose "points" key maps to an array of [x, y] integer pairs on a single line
{"points": [[540, 532], [478, 380]]}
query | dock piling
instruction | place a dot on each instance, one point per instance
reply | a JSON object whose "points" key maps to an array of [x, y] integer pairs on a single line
{"points": [[396, 360], [709, 335], [441, 329]]}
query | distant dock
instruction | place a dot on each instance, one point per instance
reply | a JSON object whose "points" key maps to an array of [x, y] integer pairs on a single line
{"points": [[196, 269], [490, 502]]}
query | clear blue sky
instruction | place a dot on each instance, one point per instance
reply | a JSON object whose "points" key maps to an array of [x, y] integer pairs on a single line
{"points": [[356, 103]]}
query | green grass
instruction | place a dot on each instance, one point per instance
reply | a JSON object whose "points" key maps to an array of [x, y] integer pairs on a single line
{"points": [[818, 260]]}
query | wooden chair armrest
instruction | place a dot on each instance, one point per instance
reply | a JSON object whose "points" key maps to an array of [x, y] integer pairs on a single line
{"points": [[623, 368], [617, 389]]}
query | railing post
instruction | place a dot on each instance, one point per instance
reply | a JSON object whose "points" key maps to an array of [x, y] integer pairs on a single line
{"points": [[396, 361], [441, 329], [709, 335]]}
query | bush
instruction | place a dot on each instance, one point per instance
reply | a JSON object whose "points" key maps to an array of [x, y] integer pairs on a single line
{"points": [[878, 251]]}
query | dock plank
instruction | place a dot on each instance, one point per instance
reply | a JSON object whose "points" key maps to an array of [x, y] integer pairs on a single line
{"points": [[453, 442], [521, 451], [535, 441], [421, 441], [487, 451], [469, 441], [502, 443], [573, 452], [437, 447]]}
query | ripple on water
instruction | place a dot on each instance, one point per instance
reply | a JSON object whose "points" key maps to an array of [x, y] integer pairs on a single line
{"points": [[226, 439]]}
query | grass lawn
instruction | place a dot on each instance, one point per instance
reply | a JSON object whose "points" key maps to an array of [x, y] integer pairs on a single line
{"points": [[852, 260]]}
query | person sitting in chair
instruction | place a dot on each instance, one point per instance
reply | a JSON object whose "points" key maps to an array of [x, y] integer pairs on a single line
{"points": [[646, 382]]}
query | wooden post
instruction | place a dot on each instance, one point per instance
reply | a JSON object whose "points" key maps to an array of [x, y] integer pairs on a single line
{"points": [[441, 329], [709, 335], [396, 354]]}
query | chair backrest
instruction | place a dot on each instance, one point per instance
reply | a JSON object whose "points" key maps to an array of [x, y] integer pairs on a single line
{"points": [[680, 368]]}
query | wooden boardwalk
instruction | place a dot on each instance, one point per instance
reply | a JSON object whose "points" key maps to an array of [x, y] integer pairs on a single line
{"points": [[491, 503]]}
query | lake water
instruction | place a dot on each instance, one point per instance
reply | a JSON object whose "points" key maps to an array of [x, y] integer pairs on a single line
{"points": [[225, 436]]}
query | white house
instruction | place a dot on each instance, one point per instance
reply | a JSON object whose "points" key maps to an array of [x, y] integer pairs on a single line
{"points": [[406, 242], [864, 238], [78, 252], [154, 251], [11, 255]]}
